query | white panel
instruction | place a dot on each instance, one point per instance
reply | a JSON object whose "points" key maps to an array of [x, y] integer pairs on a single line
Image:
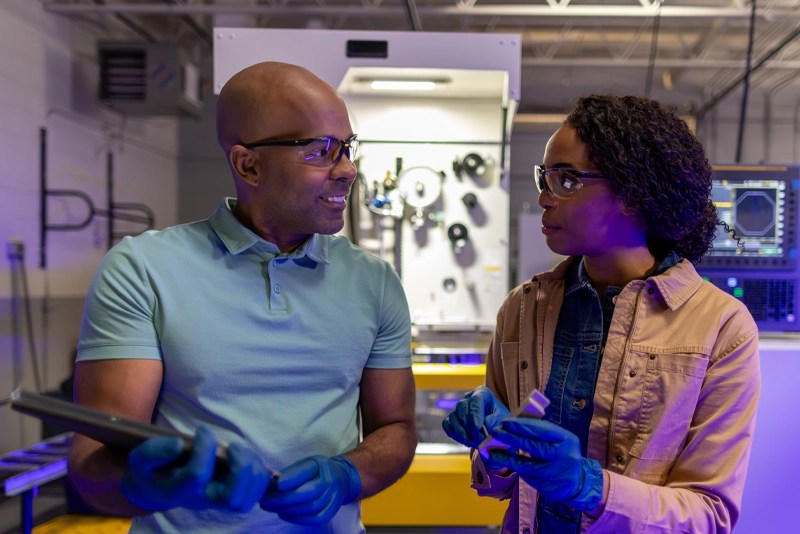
{"points": [[445, 284], [479, 269], [770, 494]]}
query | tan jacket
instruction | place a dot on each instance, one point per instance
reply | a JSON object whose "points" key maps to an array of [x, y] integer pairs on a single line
{"points": [[674, 406]]}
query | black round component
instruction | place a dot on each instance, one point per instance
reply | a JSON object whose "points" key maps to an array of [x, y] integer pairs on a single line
{"points": [[457, 232], [449, 285], [470, 200], [473, 164]]}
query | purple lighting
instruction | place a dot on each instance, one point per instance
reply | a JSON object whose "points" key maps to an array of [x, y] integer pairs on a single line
{"points": [[446, 404]]}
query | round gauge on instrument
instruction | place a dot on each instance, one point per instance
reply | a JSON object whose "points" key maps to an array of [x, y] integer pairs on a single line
{"points": [[420, 186]]}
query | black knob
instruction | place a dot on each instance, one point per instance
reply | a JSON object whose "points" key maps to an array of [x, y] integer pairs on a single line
{"points": [[457, 233], [470, 200], [473, 164]]}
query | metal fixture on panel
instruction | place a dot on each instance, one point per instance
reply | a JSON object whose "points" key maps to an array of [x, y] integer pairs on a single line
{"points": [[476, 167], [470, 200], [420, 187], [458, 235]]}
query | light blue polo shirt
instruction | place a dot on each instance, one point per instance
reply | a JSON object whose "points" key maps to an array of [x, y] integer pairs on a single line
{"points": [[263, 347]]}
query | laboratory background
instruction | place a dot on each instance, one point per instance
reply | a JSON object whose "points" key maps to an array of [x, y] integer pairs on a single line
{"points": [[107, 130]]}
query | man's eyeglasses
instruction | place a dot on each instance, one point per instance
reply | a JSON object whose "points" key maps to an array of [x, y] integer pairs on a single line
{"points": [[562, 182], [324, 151]]}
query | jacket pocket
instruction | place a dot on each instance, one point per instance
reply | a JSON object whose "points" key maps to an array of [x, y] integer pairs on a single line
{"points": [[670, 392]]}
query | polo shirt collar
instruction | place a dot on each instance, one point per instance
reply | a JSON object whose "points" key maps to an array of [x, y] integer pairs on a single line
{"points": [[237, 238]]}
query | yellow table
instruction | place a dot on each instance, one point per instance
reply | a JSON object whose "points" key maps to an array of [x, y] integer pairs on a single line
{"points": [[84, 524], [448, 376]]}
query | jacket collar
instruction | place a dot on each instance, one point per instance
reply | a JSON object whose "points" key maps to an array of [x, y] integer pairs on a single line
{"points": [[676, 284]]}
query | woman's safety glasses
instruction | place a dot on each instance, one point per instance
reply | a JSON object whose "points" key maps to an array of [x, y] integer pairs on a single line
{"points": [[324, 151], [562, 182]]}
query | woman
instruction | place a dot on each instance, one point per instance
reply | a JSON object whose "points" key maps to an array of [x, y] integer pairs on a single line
{"points": [[652, 373]]}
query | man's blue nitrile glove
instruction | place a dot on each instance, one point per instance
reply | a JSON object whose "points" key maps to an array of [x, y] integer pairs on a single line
{"points": [[311, 491], [477, 409], [151, 483], [555, 466]]}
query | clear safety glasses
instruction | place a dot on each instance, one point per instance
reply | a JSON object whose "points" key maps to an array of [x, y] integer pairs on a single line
{"points": [[562, 182], [323, 151]]}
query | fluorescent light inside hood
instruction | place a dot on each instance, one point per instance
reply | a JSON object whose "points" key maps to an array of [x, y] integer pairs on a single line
{"points": [[403, 85]]}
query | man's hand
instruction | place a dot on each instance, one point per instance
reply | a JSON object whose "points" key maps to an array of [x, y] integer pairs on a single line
{"points": [[311, 491], [152, 483], [550, 461], [477, 409]]}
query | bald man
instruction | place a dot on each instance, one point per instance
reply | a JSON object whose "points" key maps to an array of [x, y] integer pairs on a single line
{"points": [[255, 328]]}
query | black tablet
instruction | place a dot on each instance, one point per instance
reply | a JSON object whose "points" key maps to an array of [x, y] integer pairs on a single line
{"points": [[109, 429]]}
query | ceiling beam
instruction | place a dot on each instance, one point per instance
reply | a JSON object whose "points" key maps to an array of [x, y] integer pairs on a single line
{"points": [[687, 63], [552, 10]]}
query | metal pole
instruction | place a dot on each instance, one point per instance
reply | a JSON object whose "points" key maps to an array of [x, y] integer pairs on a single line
{"points": [[42, 198], [26, 508]]}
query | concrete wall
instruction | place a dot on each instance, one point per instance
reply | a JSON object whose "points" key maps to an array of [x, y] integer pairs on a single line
{"points": [[48, 80]]}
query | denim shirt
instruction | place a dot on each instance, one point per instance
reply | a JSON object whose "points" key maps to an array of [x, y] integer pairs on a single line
{"points": [[577, 349]]}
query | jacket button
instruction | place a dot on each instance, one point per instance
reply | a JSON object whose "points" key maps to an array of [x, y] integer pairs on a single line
{"points": [[619, 459], [524, 364], [650, 290], [652, 356], [526, 530], [632, 374], [527, 289]]}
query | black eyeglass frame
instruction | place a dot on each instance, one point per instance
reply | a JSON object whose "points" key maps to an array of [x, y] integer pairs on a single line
{"points": [[348, 145], [540, 178]]}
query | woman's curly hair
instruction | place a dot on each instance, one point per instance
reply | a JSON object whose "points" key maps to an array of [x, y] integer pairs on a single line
{"points": [[656, 166]]}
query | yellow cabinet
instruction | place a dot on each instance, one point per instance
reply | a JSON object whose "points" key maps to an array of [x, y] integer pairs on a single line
{"points": [[435, 491]]}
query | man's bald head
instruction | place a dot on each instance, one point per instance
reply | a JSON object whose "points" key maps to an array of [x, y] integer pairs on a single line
{"points": [[265, 95]]}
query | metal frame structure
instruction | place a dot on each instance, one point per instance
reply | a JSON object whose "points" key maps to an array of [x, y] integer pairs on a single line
{"points": [[701, 45]]}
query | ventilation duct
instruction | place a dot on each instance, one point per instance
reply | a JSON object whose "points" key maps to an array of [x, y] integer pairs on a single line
{"points": [[148, 79]]}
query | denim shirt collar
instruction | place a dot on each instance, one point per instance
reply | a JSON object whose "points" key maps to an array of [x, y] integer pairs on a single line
{"points": [[237, 238], [577, 277]]}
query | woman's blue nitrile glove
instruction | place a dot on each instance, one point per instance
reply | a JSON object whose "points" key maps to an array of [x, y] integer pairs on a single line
{"points": [[151, 483], [552, 461], [311, 491], [477, 409]]}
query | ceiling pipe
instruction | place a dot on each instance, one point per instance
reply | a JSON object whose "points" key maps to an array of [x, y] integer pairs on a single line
{"points": [[130, 24], [768, 108], [746, 86], [204, 36], [725, 92], [771, 34], [413, 15], [604, 11], [653, 49]]}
